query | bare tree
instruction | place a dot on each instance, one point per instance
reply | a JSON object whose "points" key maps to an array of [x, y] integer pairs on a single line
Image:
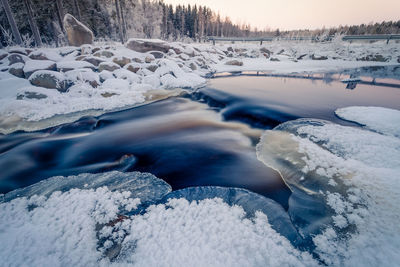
{"points": [[11, 20], [32, 23], [123, 7]]}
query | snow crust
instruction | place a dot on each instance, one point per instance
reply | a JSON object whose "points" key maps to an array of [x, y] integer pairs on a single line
{"points": [[353, 174]]}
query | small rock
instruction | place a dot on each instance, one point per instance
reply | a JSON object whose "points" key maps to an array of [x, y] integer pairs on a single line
{"points": [[137, 60], [398, 59], [152, 68], [3, 55], [110, 66], [17, 70], [234, 63], [77, 33], [30, 95], [157, 54], [107, 94], [149, 58], [122, 61], [78, 58], [50, 79], [230, 49], [318, 57], [141, 45], [274, 59], [86, 49], [377, 57], [265, 50], [193, 66], [93, 60], [132, 67], [94, 50], [301, 56], [104, 53]]}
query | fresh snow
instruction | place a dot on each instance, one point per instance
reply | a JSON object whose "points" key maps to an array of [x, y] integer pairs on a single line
{"points": [[381, 120]]}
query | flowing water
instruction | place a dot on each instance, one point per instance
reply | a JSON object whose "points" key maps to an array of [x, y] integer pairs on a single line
{"points": [[205, 138]]}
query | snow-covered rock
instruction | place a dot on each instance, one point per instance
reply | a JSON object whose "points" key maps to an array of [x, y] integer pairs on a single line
{"points": [[33, 65], [110, 66], [144, 45], [17, 69], [50, 79], [73, 64]]}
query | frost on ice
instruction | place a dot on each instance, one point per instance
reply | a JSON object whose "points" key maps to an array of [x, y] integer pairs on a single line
{"points": [[88, 220], [345, 186]]}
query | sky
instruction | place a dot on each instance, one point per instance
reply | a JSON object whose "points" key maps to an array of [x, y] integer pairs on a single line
{"points": [[302, 14]]}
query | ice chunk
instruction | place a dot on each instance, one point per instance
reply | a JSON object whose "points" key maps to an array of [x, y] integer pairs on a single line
{"points": [[142, 185]]}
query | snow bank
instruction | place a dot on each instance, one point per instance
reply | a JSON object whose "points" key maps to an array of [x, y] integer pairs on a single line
{"points": [[345, 186]]}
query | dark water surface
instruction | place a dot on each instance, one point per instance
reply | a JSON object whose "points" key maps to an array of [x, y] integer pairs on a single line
{"points": [[205, 138]]}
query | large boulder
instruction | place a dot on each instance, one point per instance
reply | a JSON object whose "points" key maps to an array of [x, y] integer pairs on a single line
{"points": [[142, 45], [77, 33], [50, 79]]}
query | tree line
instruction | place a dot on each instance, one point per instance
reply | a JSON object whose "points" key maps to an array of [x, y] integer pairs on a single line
{"points": [[31, 22]]}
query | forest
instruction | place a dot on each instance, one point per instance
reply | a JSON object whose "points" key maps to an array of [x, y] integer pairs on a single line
{"points": [[122, 19]]}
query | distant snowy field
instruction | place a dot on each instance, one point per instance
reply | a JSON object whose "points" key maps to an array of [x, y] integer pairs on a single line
{"points": [[104, 77], [120, 219]]}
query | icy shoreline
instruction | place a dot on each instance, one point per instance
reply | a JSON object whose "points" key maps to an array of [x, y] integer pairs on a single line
{"points": [[106, 77]]}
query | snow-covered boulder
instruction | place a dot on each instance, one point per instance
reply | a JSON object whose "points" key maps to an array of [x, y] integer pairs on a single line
{"points": [[127, 75], [50, 79], [318, 57], [45, 54], [93, 60], [16, 69], [77, 33], [110, 66], [145, 45], [34, 65], [133, 67], [20, 50], [157, 54], [73, 64], [15, 58], [84, 75], [104, 53], [121, 60], [234, 63]]}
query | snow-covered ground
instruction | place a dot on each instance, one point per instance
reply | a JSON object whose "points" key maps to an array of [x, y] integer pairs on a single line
{"points": [[93, 219], [105, 77]]}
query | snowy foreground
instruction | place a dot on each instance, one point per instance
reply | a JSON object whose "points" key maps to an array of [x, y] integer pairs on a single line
{"points": [[95, 79], [350, 173]]}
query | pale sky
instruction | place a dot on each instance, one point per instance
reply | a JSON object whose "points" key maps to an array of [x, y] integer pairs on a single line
{"points": [[302, 14]]}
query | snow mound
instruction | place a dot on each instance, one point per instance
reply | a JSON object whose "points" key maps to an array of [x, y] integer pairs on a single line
{"points": [[345, 186], [381, 120]]}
